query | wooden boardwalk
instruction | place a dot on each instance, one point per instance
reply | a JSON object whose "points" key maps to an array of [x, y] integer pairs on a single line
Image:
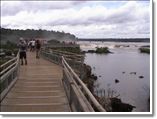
{"points": [[38, 89]]}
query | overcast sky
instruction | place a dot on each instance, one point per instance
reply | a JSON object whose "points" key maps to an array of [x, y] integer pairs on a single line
{"points": [[85, 19]]}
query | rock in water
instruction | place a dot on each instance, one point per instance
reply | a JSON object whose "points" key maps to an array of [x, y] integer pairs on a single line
{"points": [[119, 106], [116, 81], [141, 77], [133, 73]]}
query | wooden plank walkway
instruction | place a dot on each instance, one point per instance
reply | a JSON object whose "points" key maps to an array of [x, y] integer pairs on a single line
{"points": [[38, 89]]}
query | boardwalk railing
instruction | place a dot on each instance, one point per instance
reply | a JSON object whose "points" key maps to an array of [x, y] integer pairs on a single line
{"points": [[8, 73], [68, 55], [79, 97], [55, 56]]}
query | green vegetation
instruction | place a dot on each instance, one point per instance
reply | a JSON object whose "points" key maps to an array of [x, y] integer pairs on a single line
{"points": [[9, 48], [8, 45], [62, 46], [7, 51], [13, 35], [69, 49], [10, 39], [3, 60], [100, 50], [144, 50]]}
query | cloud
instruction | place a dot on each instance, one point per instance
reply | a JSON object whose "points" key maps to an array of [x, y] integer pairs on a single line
{"points": [[84, 19], [14, 7]]}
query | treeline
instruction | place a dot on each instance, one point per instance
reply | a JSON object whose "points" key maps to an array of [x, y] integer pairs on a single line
{"points": [[13, 35], [116, 39]]}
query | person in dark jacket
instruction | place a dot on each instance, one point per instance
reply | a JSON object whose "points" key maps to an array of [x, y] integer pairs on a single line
{"points": [[38, 47]]}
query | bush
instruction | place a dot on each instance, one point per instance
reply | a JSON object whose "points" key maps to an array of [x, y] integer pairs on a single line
{"points": [[8, 45], [69, 49], [102, 50], [8, 52], [144, 50]]}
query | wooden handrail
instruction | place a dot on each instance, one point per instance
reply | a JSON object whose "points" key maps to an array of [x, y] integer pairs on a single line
{"points": [[90, 95]]}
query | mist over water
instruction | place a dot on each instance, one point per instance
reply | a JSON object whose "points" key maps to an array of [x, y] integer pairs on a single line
{"points": [[125, 59]]}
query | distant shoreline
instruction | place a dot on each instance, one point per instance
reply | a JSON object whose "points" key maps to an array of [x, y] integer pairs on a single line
{"points": [[116, 39]]}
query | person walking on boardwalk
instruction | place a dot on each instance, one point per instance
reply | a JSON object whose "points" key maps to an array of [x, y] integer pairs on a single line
{"points": [[32, 45], [22, 51], [38, 47]]}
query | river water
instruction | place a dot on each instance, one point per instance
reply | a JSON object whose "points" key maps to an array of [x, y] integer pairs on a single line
{"points": [[125, 59]]}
